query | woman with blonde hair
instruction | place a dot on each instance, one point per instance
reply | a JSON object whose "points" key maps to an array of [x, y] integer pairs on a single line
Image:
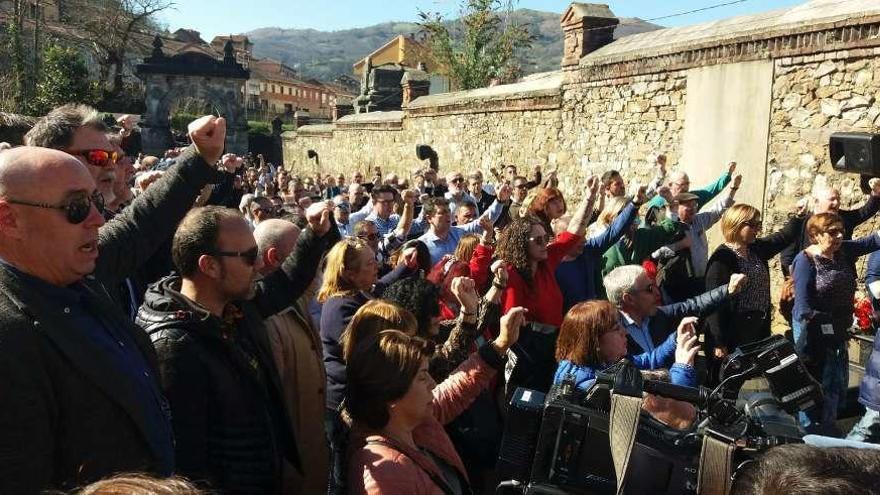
{"points": [[745, 318], [350, 280]]}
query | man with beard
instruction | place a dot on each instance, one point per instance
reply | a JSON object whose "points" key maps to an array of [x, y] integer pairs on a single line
{"points": [[230, 422]]}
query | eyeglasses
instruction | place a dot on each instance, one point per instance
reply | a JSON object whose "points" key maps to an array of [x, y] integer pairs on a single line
{"points": [[647, 288], [521, 186], [97, 158], [77, 207], [249, 256], [456, 180], [368, 237], [756, 224], [541, 240]]}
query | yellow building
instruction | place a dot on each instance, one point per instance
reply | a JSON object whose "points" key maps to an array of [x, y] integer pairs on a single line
{"points": [[401, 50], [405, 52]]}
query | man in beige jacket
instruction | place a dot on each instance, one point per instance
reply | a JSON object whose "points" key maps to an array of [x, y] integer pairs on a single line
{"points": [[296, 347]]}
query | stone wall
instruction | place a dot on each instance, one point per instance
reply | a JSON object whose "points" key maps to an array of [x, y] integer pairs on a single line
{"points": [[814, 97], [509, 126]]}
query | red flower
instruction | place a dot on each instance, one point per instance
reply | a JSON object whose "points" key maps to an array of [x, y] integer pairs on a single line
{"points": [[863, 311]]}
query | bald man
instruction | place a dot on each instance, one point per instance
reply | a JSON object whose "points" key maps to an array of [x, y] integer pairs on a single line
{"points": [[296, 347], [826, 199], [131, 239], [81, 399]]}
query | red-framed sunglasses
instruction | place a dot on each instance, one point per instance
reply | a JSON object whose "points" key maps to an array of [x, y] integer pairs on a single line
{"points": [[97, 158]]}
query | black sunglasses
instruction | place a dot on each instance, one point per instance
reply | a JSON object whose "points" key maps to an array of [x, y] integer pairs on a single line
{"points": [[77, 207], [249, 256]]}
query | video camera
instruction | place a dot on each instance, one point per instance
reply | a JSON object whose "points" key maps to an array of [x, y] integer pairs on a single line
{"points": [[558, 443]]}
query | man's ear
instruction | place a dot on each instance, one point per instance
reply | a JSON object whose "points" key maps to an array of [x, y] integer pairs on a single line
{"points": [[209, 266], [9, 224], [271, 257]]}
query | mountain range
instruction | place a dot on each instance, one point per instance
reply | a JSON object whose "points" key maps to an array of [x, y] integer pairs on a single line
{"points": [[325, 55]]}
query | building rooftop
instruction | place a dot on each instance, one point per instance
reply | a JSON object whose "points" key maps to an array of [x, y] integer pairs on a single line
{"points": [[766, 24]]}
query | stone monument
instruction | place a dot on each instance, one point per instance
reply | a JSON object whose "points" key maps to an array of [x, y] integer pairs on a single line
{"points": [[197, 75]]}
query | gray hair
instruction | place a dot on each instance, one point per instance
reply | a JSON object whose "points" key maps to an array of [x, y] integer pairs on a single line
{"points": [[620, 281], [56, 129], [272, 232]]}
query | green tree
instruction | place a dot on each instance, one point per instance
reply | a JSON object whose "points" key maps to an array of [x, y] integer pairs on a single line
{"points": [[479, 46], [22, 74], [64, 79]]}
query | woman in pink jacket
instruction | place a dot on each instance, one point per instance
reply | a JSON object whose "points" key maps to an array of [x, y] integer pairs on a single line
{"points": [[399, 445]]}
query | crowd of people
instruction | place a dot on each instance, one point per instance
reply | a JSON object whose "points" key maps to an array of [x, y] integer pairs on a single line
{"points": [[209, 322]]}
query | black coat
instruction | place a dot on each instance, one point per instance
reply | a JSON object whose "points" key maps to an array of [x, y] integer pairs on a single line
{"points": [[722, 327], [68, 417], [229, 418]]}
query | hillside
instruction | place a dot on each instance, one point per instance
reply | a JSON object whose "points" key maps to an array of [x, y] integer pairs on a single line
{"points": [[327, 54]]}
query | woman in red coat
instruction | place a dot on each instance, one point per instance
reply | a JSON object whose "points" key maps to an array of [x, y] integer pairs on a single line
{"points": [[532, 256]]}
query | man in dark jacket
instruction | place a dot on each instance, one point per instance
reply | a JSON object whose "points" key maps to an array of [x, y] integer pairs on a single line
{"points": [[827, 200], [80, 396], [230, 422], [647, 325]]}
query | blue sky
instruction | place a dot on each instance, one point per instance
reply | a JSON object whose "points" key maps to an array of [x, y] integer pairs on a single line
{"points": [[213, 17]]}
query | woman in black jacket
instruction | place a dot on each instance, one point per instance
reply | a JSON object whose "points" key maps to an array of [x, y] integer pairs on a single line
{"points": [[745, 318]]}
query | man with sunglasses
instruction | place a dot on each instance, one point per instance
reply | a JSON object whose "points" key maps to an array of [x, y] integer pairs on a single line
{"points": [[231, 425], [131, 239], [80, 386], [648, 325]]}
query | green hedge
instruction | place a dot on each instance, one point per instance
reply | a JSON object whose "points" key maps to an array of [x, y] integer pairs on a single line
{"points": [[180, 121]]}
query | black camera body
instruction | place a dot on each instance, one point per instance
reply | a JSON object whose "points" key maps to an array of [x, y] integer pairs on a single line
{"points": [[564, 448]]}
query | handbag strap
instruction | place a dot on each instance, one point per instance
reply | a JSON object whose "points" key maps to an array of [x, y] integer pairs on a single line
{"points": [[716, 460], [623, 426]]}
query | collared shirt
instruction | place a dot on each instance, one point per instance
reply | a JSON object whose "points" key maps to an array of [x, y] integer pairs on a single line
{"points": [[117, 346], [640, 333], [385, 226], [439, 247], [463, 197], [696, 231]]}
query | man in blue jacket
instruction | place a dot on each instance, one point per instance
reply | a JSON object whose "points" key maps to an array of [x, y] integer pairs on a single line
{"points": [[649, 326]]}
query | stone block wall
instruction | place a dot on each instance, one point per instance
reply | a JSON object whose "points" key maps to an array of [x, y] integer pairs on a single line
{"points": [[621, 123], [480, 139], [813, 97]]}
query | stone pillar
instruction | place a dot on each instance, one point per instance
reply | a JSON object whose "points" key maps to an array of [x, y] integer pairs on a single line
{"points": [[301, 118], [414, 83], [586, 27], [341, 110]]}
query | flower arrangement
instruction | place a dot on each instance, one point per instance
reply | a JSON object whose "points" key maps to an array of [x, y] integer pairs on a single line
{"points": [[863, 315]]}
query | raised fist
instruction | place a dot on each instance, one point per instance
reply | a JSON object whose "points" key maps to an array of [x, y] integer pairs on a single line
{"points": [[208, 134]]}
